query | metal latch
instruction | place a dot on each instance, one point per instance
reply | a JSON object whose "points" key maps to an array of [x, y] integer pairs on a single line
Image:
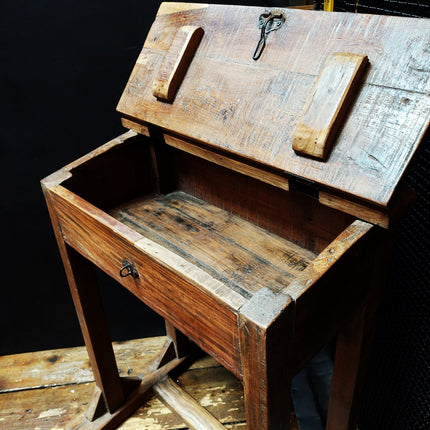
{"points": [[128, 269], [269, 21]]}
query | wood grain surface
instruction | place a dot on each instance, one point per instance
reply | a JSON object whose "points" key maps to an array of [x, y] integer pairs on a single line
{"points": [[243, 256], [328, 104], [177, 399], [47, 389], [175, 64], [251, 109], [220, 159]]}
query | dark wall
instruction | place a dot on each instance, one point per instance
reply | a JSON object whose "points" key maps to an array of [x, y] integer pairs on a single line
{"points": [[64, 65]]}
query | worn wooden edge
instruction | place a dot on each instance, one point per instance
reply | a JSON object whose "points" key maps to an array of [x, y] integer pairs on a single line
{"points": [[385, 217], [65, 173], [267, 332], [180, 402], [190, 272], [264, 307], [176, 62], [377, 216], [135, 126], [278, 181], [167, 8], [328, 258]]}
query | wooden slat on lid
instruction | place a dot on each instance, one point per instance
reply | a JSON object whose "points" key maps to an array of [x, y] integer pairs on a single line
{"points": [[176, 62], [251, 108], [328, 104]]}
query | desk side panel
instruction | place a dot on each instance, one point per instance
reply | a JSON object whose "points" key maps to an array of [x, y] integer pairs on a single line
{"points": [[336, 285]]}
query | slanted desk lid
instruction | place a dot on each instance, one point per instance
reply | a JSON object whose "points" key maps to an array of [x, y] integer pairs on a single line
{"points": [[251, 108]]}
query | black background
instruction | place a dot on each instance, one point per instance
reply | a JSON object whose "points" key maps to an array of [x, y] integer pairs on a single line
{"points": [[64, 65]]}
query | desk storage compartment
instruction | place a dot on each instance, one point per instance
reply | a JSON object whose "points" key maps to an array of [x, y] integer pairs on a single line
{"points": [[203, 239]]}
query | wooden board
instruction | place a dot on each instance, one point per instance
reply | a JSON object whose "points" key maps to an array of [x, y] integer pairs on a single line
{"points": [[251, 108], [176, 62], [45, 390], [328, 104], [236, 252]]}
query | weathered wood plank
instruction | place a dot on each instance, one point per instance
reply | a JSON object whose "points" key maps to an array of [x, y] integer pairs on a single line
{"points": [[70, 365], [179, 401], [176, 62], [255, 117], [55, 407], [215, 389], [291, 215], [396, 47], [37, 406], [242, 255], [328, 104]]}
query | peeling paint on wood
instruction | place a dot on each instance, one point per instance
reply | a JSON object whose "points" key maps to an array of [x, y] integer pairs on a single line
{"points": [[28, 402]]}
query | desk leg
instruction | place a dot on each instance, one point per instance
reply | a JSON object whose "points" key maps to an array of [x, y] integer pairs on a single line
{"points": [[180, 341], [266, 342], [353, 348], [88, 304], [352, 351]]}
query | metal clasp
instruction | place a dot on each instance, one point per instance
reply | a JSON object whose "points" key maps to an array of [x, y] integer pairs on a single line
{"points": [[269, 21], [128, 269]]}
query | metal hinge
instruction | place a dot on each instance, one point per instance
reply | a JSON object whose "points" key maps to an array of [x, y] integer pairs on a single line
{"points": [[302, 185]]}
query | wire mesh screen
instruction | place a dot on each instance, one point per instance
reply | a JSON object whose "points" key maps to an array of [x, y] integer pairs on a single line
{"points": [[397, 394], [398, 381], [412, 8]]}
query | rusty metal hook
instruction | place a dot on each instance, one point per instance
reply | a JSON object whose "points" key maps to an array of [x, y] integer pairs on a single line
{"points": [[269, 21], [128, 269]]}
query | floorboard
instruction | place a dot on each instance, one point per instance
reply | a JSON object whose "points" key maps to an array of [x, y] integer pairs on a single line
{"points": [[47, 389]]}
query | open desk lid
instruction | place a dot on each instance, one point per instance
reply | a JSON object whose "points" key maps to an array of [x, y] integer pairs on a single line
{"points": [[196, 77]]}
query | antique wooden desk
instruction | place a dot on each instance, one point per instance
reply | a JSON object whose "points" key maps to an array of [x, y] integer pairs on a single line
{"points": [[250, 202]]}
